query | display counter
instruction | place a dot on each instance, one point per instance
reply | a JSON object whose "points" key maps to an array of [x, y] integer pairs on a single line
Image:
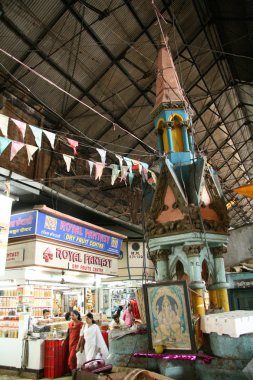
{"points": [[12, 332]]}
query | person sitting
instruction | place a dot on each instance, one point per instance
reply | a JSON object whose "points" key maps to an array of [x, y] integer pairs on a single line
{"points": [[39, 325], [117, 323], [118, 310]]}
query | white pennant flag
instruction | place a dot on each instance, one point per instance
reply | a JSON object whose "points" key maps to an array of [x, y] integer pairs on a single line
{"points": [[4, 121], [145, 170], [30, 149], [124, 173], [120, 159], [67, 160], [102, 153], [91, 164], [51, 137]]}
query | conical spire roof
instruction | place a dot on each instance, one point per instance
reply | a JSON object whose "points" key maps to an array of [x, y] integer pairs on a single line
{"points": [[168, 89]]}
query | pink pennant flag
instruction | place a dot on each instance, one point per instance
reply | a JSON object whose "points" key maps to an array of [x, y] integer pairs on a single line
{"points": [[102, 154], [99, 169], [4, 121], [30, 149], [67, 160], [15, 148], [51, 137], [21, 126], [74, 145]]}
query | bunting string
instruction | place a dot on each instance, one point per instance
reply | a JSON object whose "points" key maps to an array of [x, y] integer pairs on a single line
{"points": [[73, 97], [118, 171]]}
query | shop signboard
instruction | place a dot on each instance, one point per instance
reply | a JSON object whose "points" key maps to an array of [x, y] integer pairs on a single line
{"points": [[62, 230], [15, 256], [39, 223], [23, 224], [5, 215], [57, 256]]}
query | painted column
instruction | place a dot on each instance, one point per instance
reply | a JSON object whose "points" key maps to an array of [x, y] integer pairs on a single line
{"points": [[185, 138], [191, 142], [170, 142], [196, 284], [159, 141], [220, 285], [161, 259]]}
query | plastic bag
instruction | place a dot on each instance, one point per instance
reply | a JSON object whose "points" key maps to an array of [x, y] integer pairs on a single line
{"points": [[99, 356], [80, 359]]}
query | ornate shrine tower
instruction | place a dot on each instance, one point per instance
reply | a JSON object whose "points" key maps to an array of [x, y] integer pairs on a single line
{"points": [[187, 222]]}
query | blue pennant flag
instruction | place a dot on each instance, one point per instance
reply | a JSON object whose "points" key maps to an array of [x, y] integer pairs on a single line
{"points": [[4, 142]]}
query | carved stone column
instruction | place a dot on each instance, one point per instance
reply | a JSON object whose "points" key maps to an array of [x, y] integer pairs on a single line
{"points": [[193, 256], [161, 260]]}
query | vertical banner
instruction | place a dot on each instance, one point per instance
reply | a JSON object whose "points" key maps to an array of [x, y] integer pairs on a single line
{"points": [[5, 217]]}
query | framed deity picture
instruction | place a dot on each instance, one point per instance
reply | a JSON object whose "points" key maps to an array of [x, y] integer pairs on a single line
{"points": [[168, 316]]}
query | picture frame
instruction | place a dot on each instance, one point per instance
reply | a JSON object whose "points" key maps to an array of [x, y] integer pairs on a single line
{"points": [[168, 316]]}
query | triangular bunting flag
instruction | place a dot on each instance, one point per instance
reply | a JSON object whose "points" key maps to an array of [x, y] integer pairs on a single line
{"points": [[15, 148], [99, 169], [91, 164], [124, 172], [4, 121], [4, 142], [51, 137], [74, 145], [129, 163], [67, 160], [37, 132], [144, 169], [153, 176], [30, 149], [21, 126], [115, 173], [102, 153], [135, 165], [120, 159], [131, 177]]}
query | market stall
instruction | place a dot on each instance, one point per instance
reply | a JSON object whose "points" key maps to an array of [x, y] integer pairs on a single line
{"points": [[54, 262]]}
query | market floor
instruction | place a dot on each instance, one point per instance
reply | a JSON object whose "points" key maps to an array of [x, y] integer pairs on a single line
{"points": [[8, 377]]}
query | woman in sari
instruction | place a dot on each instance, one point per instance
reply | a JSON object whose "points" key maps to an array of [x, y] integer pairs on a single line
{"points": [[93, 341], [74, 328]]}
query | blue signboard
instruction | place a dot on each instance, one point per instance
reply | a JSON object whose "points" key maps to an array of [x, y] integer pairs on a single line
{"points": [[38, 223], [23, 224], [62, 230]]}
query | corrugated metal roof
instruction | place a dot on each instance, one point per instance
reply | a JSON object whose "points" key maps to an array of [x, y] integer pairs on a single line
{"points": [[104, 52]]}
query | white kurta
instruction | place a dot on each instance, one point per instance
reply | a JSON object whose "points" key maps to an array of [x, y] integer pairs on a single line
{"points": [[94, 343]]}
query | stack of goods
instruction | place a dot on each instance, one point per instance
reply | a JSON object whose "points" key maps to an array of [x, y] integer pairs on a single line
{"points": [[89, 299]]}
